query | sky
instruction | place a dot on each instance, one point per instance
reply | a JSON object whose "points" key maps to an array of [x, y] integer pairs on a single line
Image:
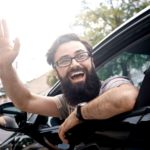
{"points": [[37, 23]]}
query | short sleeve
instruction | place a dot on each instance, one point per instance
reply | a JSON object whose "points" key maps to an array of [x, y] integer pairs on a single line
{"points": [[114, 82], [62, 106]]}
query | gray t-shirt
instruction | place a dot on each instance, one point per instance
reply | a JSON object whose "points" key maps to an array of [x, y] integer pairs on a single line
{"points": [[65, 109]]}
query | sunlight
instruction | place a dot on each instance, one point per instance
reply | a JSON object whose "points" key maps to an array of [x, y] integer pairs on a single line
{"points": [[37, 23]]}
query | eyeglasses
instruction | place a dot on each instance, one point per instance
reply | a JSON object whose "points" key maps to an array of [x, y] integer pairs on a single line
{"points": [[66, 60]]}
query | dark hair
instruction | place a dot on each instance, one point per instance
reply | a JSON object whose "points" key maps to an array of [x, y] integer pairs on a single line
{"points": [[61, 40]]}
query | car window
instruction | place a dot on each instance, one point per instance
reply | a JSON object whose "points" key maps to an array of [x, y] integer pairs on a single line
{"points": [[131, 63]]}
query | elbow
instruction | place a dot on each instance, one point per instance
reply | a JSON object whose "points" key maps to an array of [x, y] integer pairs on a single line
{"points": [[130, 99], [130, 104]]}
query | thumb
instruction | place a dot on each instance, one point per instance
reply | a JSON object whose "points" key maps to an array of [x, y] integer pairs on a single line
{"points": [[16, 44]]}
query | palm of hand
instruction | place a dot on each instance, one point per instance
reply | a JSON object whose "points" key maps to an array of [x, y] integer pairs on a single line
{"points": [[8, 51]]}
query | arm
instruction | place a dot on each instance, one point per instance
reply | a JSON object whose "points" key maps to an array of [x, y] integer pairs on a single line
{"points": [[23, 98], [113, 102], [15, 89]]}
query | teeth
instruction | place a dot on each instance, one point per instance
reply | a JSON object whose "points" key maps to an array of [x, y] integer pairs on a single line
{"points": [[77, 73]]}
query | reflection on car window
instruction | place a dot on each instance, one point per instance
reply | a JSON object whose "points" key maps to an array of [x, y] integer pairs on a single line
{"points": [[131, 64]]}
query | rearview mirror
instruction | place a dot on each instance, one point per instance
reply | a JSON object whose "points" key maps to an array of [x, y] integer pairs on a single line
{"points": [[11, 117]]}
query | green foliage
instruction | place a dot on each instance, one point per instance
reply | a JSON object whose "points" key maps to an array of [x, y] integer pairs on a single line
{"points": [[51, 79], [124, 64], [99, 21]]}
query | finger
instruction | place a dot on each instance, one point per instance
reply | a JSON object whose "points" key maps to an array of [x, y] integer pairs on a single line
{"points": [[5, 29], [1, 29], [16, 44], [62, 135]]}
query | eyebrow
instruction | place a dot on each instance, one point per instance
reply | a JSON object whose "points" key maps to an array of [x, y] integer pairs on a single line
{"points": [[62, 57], [79, 51]]}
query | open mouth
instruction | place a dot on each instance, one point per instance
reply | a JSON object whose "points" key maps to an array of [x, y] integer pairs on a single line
{"points": [[77, 76]]}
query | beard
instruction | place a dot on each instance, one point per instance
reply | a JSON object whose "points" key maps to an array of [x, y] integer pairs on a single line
{"points": [[83, 91]]}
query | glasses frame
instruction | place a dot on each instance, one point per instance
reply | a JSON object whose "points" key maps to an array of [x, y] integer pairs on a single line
{"points": [[56, 64]]}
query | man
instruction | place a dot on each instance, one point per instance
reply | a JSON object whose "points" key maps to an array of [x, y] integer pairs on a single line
{"points": [[72, 60]]}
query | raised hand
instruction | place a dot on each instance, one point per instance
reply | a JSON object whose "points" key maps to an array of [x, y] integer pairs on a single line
{"points": [[8, 51]]}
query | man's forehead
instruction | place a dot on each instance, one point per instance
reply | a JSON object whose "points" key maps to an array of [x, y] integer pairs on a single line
{"points": [[70, 48]]}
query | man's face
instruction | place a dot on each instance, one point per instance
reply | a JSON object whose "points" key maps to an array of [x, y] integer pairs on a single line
{"points": [[79, 78], [72, 49]]}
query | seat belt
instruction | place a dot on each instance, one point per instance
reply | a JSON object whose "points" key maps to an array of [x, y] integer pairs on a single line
{"points": [[143, 98]]}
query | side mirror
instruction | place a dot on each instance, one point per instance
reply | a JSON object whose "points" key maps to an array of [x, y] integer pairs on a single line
{"points": [[11, 118]]}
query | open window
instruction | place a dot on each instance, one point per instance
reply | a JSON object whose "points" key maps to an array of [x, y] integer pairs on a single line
{"points": [[131, 61]]}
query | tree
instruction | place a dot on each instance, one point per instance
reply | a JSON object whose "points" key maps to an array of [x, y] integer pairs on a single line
{"points": [[99, 21], [51, 79], [119, 65]]}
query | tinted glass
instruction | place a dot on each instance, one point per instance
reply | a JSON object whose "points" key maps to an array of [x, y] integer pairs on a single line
{"points": [[131, 63]]}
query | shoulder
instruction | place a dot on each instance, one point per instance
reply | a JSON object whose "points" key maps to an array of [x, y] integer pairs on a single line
{"points": [[114, 81]]}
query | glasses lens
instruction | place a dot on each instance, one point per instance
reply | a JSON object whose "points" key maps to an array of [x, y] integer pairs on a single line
{"points": [[65, 61], [82, 56]]}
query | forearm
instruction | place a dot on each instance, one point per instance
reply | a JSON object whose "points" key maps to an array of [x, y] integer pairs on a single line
{"points": [[15, 89], [109, 104]]}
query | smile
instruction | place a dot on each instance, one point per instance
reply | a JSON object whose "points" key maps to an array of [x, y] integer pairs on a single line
{"points": [[77, 76]]}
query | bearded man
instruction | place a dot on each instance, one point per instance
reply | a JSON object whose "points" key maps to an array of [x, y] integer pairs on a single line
{"points": [[84, 96]]}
